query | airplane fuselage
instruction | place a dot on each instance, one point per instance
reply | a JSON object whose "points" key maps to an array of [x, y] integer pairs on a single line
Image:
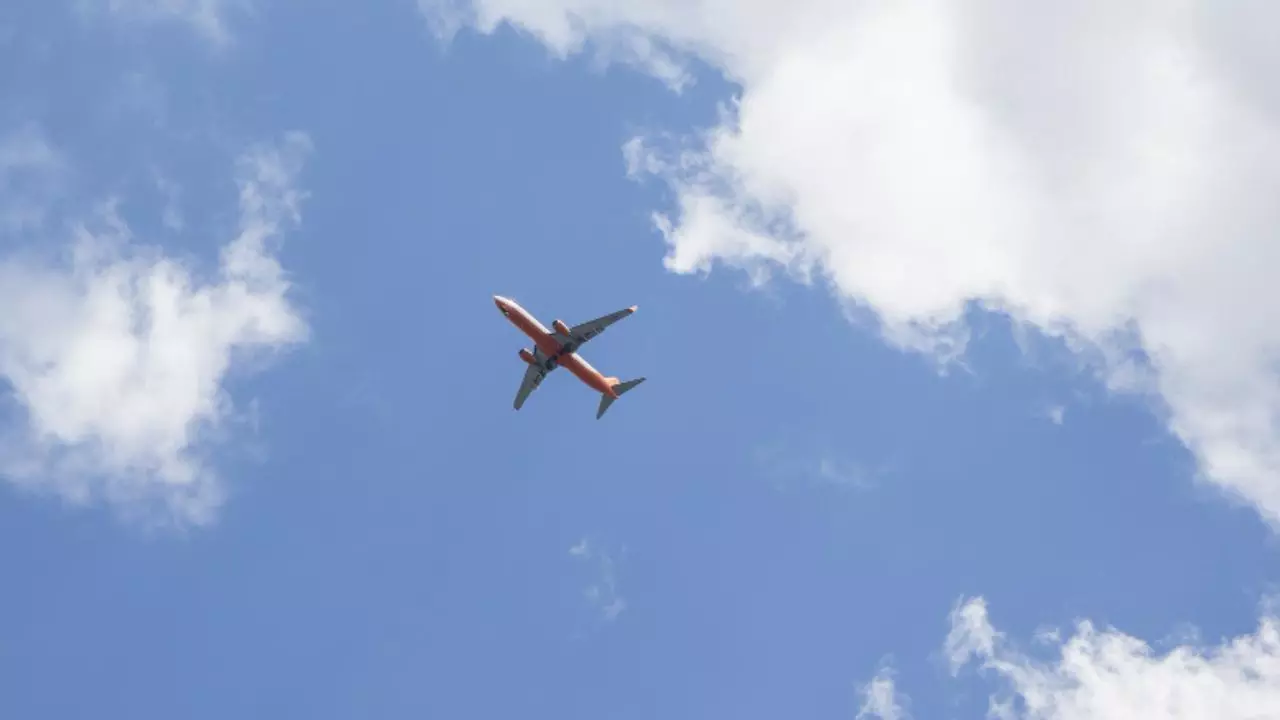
{"points": [[550, 347]]}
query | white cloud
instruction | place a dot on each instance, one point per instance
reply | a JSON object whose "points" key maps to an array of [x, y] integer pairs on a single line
{"points": [[1102, 170], [611, 42], [602, 592], [880, 699], [116, 359], [1107, 675], [208, 17]]}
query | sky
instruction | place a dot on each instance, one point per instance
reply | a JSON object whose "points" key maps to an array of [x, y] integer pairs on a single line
{"points": [[956, 319]]}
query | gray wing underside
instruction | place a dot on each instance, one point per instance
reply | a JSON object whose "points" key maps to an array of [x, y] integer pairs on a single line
{"points": [[581, 333], [532, 379]]}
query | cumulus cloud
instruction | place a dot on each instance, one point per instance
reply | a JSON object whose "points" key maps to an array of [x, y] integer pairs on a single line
{"points": [[116, 358], [1108, 675], [1103, 171]]}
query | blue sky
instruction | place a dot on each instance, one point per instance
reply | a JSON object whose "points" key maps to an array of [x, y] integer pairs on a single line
{"points": [[258, 436]]}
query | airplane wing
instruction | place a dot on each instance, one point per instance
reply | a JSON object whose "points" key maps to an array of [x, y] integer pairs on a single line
{"points": [[583, 332], [532, 379]]}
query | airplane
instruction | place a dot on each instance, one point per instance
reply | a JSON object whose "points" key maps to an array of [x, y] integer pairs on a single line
{"points": [[559, 347]]}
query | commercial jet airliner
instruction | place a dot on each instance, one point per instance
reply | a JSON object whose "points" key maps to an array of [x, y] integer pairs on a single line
{"points": [[559, 348]]}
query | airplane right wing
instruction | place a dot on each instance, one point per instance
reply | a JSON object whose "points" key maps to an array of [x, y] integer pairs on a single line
{"points": [[532, 379], [583, 332]]}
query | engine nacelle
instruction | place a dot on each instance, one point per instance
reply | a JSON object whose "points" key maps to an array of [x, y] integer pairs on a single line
{"points": [[560, 327], [527, 356]]}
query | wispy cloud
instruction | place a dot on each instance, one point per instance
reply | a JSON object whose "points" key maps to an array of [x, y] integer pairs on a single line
{"points": [[116, 359], [207, 17], [602, 591], [620, 43], [31, 169], [1056, 414], [880, 699], [844, 474], [790, 466], [171, 215], [922, 155]]}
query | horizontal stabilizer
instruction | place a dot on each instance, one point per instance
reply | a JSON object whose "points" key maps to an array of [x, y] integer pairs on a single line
{"points": [[620, 389]]}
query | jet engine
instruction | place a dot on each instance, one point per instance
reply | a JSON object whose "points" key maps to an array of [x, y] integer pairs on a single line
{"points": [[560, 327], [527, 356]]}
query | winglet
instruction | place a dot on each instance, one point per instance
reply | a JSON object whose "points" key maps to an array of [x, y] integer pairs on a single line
{"points": [[620, 388]]}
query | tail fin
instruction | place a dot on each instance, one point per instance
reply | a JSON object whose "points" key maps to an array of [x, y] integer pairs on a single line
{"points": [[618, 387]]}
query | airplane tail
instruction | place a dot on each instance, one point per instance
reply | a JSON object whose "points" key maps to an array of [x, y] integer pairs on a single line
{"points": [[620, 388]]}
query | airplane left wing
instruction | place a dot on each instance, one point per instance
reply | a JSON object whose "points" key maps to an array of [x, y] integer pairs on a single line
{"points": [[581, 333], [532, 379]]}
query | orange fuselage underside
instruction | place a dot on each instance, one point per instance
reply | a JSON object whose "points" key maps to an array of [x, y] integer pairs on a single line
{"points": [[546, 342]]}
